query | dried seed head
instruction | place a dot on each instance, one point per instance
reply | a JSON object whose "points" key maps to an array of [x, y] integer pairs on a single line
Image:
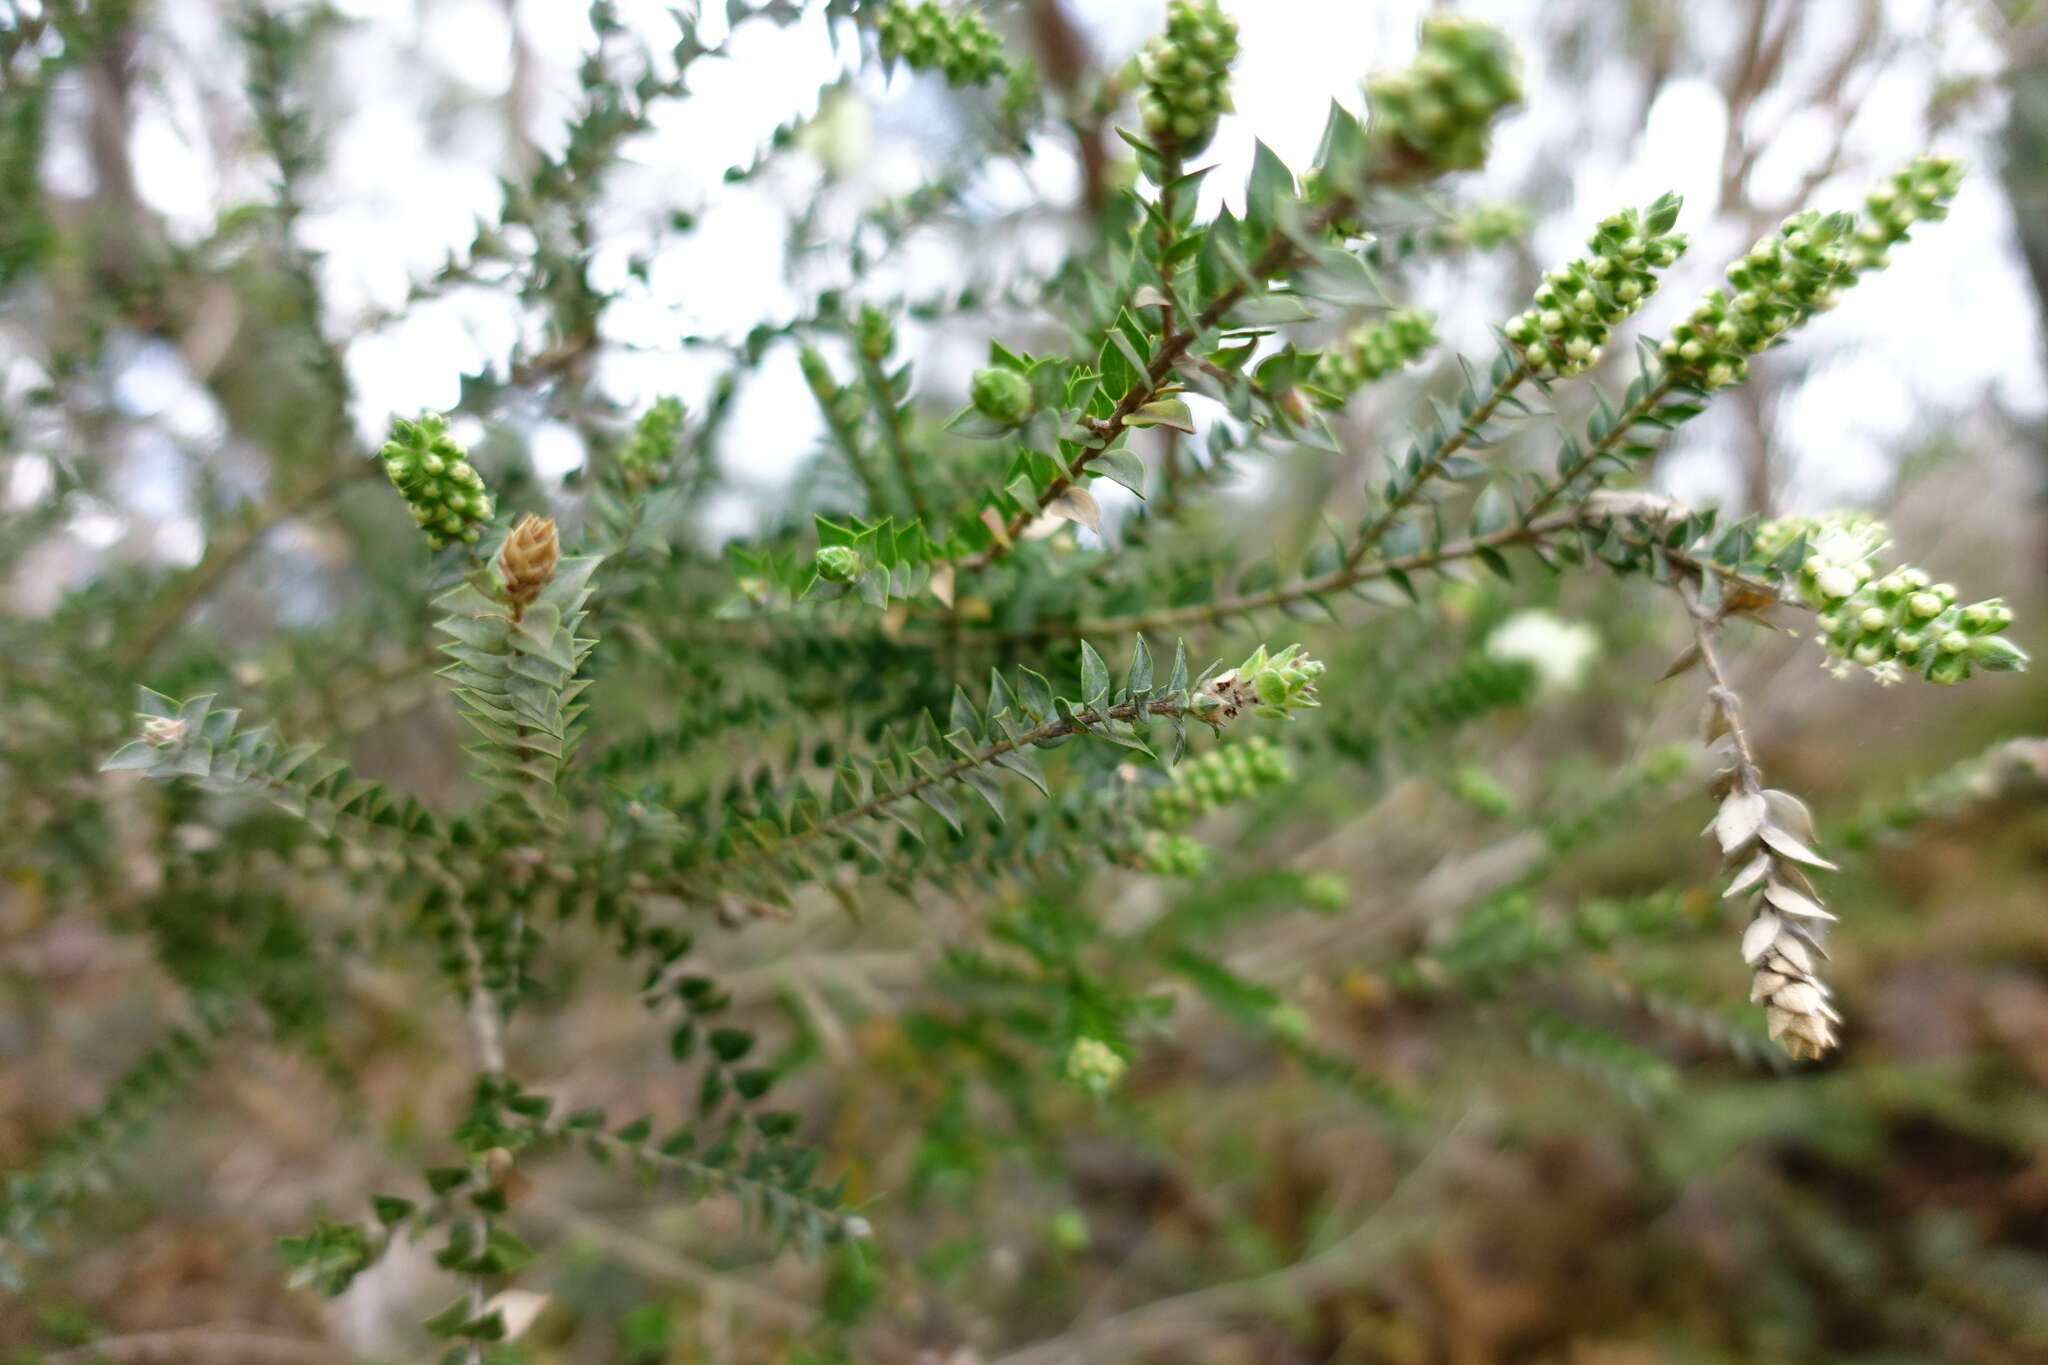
{"points": [[527, 562]]}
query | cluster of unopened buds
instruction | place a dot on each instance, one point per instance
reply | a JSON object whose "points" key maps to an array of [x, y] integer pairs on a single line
{"points": [[1093, 1066], [927, 38], [1434, 116], [432, 473], [1273, 688], [1579, 304], [653, 442], [1175, 855], [1371, 352], [1187, 75], [1779, 283], [873, 332], [1892, 622], [1234, 772], [1490, 225], [1786, 278], [1917, 192]]}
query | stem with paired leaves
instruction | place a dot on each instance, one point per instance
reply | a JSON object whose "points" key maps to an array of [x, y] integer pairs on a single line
{"points": [[1174, 345], [1418, 479], [1080, 722]]}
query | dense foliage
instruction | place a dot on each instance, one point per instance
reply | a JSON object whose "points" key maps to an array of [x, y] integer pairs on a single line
{"points": [[1006, 679]]}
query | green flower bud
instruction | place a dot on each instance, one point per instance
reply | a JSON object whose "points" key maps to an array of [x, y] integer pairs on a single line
{"points": [[1948, 669], [1001, 395], [873, 333], [838, 564], [1998, 654]]}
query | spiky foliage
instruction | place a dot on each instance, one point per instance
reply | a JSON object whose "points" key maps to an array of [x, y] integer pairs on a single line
{"points": [[902, 753]]}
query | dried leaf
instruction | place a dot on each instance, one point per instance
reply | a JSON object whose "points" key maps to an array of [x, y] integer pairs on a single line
{"points": [[1793, 902], [1759, 937], [1039, 528], [1749, 876], [1077, 504], [1791, 848], [1741, 816], [942, 584], [1790, 813], [1684, 663]]}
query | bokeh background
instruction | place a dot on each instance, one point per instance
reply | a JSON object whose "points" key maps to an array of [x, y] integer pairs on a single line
{"points": [[184, 369]]}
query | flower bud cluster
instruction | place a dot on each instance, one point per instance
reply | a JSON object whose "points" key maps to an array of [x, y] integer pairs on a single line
{"points": [[1579, 303], [1371, 352], [927, 38], [654, 439], [1093, 1065], [1781, 282], [1434, 116], [1917, 192], [1236, 772], [1175, 855], [1273, 688], [1484, 226], [1893, 621], [433, 474], [1187, 75], [1001, 395], [874, 333]]}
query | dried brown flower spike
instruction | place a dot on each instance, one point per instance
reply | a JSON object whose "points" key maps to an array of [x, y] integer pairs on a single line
{"points": [[1766, 836], [527, 562]]}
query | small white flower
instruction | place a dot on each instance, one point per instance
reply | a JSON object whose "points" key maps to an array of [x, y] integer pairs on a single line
{"points": [[1835, 582], [1559, 650], [1887, 672]]}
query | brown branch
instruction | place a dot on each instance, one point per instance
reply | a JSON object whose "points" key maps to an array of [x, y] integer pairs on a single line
{"points": [[1721, 694]]}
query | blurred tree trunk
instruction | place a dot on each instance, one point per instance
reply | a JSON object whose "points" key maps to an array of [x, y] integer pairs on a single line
{"points": [[2023, 170]]}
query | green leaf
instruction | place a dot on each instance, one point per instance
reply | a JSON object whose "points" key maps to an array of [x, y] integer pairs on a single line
{"points": [[1122, 465], [1094, 677]]}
